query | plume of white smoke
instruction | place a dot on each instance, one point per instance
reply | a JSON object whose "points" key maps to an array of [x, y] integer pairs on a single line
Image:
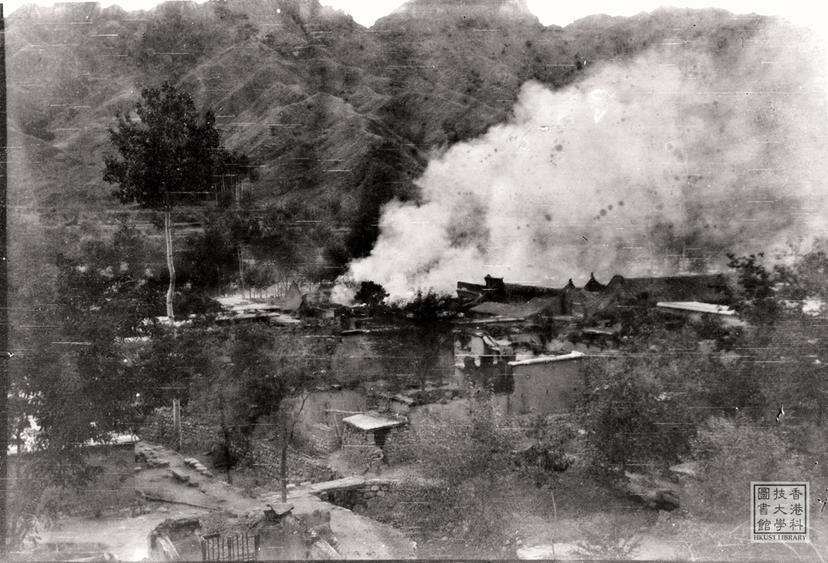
{"points": [[633, 170]]}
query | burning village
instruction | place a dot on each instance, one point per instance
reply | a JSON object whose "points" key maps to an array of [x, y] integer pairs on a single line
{"points": [[469, 280]]}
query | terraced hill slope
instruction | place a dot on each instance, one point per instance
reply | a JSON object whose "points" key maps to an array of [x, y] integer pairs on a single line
{"points": [[339, 118]]}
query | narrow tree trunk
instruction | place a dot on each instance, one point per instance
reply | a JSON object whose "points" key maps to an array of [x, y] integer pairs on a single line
{"points": [[423, 366], [283, 468], [170, 265], [177, 423], [241, 268], [226, 432], [287, 437], [554, 507]]}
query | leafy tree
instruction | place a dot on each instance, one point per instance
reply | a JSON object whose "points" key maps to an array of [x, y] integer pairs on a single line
{"points": [[252, 370], [788, 360], [279, 238], [260, 276], [110, 281], [461, 457], [286, 233], [755, 299], [287, 368], [166, 149], [811, 272], [209, 261], [76, 385], [422, 333], [786, 355], [429, 314], [643, 408], [631, 419], [371, 294], [167, 363], [481, 445]]}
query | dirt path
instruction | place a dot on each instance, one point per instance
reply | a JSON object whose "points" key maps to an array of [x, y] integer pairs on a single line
{"points": [[125, 537], [359, 537], [363, 538], [194, 494]]}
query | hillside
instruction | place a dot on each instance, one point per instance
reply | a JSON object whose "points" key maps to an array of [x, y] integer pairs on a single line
{"points": [[338, 118]]}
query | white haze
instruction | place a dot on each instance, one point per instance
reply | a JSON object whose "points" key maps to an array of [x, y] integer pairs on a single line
{"points": [[653, 166]]}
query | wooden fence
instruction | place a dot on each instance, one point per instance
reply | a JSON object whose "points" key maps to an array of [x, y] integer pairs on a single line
{"points": [[242, 547]]}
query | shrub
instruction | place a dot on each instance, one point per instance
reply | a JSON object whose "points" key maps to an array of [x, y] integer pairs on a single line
{"points": [[731, 454], [454, 451], [461, 460], [633, 416]]}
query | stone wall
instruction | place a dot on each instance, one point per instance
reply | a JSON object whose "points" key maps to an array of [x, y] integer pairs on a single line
{"points": [[265, 457], [360, 448], [289, 538], [351, 437], [359, 498], [318, 438], [399, 446], [262, 454], [197, 436], [319, 424]]}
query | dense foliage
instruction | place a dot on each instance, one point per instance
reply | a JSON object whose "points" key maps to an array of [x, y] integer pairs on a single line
{"points": [[167, 148], [747, 402], [460, 456]]}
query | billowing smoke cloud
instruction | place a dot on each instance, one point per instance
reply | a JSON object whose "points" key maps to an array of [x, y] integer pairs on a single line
{"points": [[659, 165]]}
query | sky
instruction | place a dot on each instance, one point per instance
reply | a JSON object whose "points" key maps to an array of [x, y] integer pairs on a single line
{"points": [[549, 12]]}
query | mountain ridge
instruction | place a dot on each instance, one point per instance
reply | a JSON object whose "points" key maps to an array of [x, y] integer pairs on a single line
{"points": [[337, 117]]}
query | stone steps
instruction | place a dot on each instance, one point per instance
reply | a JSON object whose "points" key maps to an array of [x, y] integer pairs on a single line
{"points": [[198, 466]]}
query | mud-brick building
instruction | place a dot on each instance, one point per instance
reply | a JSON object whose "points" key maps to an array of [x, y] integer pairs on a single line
{"points": [[320, 415], [371, 437], [545, 384], [391, 354], [369, 429]]}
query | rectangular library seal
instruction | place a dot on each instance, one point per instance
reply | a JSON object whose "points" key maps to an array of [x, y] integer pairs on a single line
{"points": [[779, 511]]}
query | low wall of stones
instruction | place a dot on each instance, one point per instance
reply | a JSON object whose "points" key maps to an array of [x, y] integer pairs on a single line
{"points": [[360, 449], [199, 437], [319, 438], [266, 458], [359, 498]]}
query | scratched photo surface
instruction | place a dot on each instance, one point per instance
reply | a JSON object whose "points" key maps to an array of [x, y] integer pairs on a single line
{"points": [[472, 279]]}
